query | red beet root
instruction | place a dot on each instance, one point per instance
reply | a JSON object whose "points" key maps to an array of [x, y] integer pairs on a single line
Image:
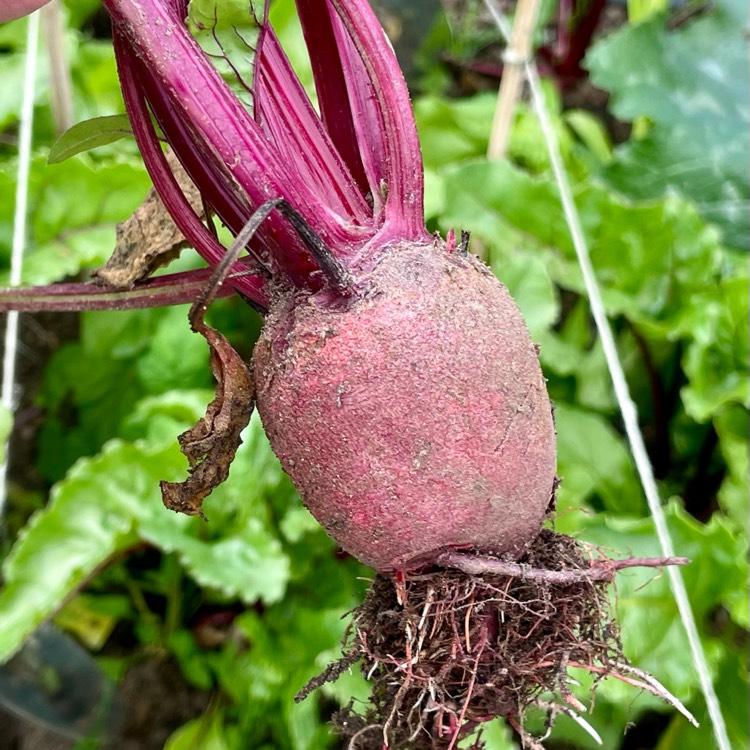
{"points": [[416, 418], [395, 378]]}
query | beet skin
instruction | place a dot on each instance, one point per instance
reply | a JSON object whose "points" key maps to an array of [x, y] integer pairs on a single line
{"points": [[415, 418]]}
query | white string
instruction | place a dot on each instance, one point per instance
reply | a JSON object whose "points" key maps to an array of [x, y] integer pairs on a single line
{"points": [[622, 392], [19, 233]]}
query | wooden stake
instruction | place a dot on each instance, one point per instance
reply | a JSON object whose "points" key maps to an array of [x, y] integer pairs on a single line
{"points": [[61, 86], [516, 54]]}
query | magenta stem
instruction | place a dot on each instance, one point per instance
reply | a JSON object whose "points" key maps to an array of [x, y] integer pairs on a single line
{"points": [[172, 289], [331, 85], [282, 106], [215, 116], [164, 181], [404, 209]]}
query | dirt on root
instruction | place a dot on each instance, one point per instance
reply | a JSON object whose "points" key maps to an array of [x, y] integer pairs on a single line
{"points": [[446, 651]]}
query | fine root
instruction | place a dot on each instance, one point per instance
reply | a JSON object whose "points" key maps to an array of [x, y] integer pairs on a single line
{"points": [[447, 649]]}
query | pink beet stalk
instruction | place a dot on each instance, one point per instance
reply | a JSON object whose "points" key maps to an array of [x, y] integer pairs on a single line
{"points": [[12, 9], [354, 172], [352, 177]]}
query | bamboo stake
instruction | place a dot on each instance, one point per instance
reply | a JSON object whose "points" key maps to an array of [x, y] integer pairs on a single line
{"points": [[61, 87], [516, 55]]}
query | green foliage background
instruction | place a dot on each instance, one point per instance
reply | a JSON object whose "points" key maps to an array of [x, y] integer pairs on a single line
{"points": [[666, 218]]}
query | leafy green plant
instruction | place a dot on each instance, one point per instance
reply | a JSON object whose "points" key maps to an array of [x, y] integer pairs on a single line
{"points": [[688, 87]]}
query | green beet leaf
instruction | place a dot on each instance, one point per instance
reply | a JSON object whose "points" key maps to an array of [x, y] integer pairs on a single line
{"points": [[111, 502], [733, 427], [92, 515], [692, 83], [716, 361], [594, 460], [89, 134], [207, 732], [74, 208]]}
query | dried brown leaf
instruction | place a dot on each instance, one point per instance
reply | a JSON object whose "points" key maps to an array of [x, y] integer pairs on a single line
{"points": [[149, 239], [210, 446]]}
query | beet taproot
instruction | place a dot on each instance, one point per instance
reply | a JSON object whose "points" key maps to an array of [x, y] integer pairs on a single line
{"points": [[395, 377], [415, 418]]}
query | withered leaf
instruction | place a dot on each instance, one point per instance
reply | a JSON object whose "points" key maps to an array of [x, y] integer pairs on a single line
{"points": [[210, 446], [149, 239]]}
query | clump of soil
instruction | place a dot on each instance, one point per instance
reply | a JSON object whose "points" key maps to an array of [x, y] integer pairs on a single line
{"points": [[446, 649]]}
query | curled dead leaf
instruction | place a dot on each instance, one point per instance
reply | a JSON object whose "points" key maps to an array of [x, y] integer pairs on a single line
{"points": [[210, 446]]}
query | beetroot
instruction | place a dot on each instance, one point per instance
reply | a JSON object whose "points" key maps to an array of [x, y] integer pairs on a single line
{"points": [[414, 417], [395, 377]]}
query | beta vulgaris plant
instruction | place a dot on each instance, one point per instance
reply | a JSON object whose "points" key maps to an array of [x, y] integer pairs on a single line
{"points": [[395, 377]]}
